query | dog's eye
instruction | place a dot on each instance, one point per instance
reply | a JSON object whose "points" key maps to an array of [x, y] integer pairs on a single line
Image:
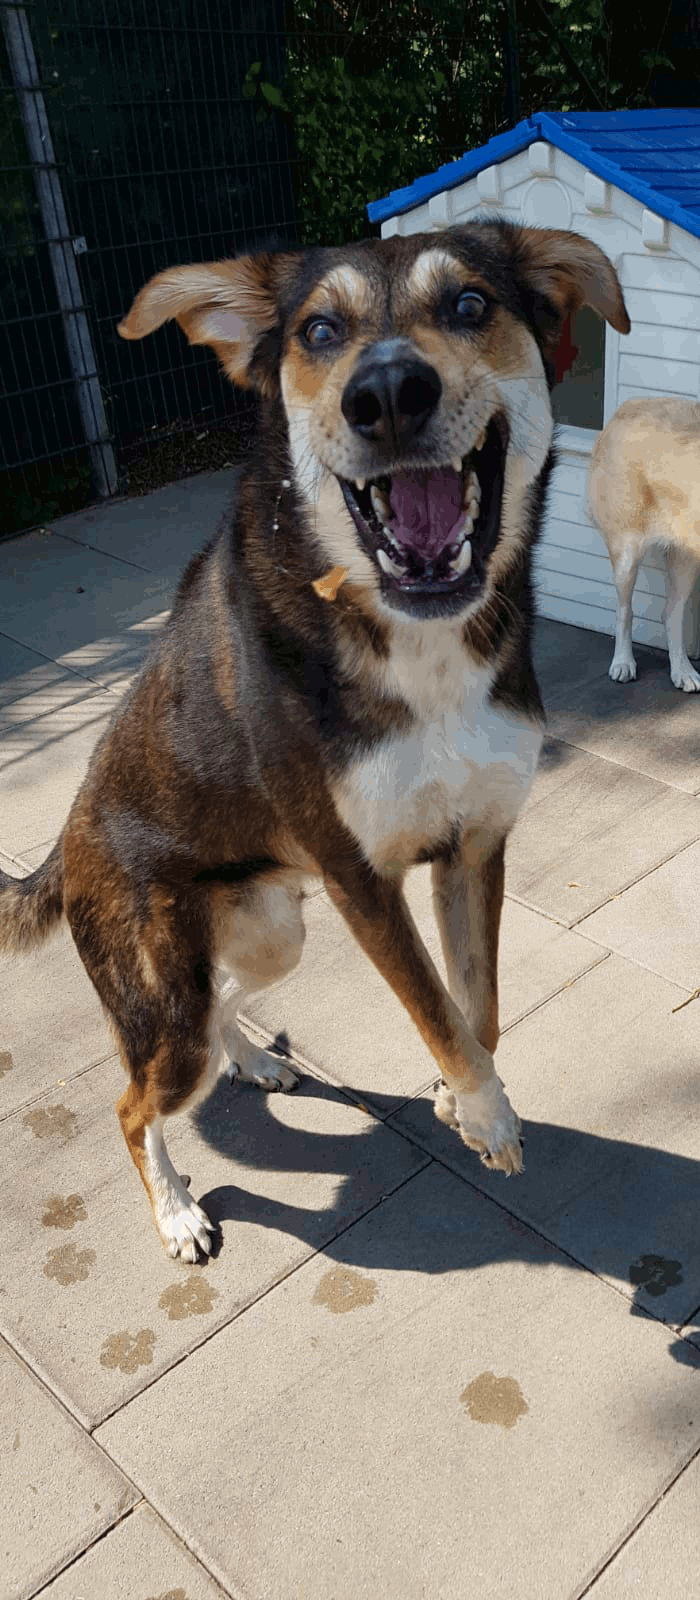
{"points": [[320, 331], [470, 307]]}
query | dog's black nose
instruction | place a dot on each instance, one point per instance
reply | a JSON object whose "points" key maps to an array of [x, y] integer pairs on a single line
{"points": [[391, 394]]}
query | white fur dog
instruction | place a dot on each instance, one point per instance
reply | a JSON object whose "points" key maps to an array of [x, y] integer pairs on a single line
{"points": [[644, 489]]}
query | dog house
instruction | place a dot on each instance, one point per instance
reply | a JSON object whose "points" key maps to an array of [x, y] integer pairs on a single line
{"points": [[630, 181]]}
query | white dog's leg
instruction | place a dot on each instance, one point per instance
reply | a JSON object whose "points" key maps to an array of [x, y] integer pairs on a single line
{"points": [[262, 944], [683, 570], [625, 567]]}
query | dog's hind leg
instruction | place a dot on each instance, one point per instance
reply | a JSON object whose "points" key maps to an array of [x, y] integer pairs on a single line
{"points": [[182, 1224], [260, 942], [683, 570], [625, 567], [146, 949]]}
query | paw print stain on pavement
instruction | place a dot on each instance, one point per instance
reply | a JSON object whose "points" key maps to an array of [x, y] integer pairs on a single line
{"points": [[128, 1351], [171, 1594], [51, 1122], [655, 1274], [344, 1290], [64, 1213], [67, 1264], [193, 1298], [496, 1400]]}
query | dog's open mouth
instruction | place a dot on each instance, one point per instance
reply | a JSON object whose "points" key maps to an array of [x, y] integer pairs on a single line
{"points": [[430, 530]]}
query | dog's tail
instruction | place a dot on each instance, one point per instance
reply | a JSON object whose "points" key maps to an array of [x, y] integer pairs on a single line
{"points": [[31, 907]]}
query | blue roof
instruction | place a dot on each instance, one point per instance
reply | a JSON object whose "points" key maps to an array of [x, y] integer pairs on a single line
{"points": [[652, 155]]}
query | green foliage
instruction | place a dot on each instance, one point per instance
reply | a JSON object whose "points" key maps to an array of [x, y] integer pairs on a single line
{"points": [[378, 91], [356, 137], [376, 94]]}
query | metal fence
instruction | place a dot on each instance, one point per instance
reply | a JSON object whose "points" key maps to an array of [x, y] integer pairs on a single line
{"points": [[133, 138], [126, 145]]}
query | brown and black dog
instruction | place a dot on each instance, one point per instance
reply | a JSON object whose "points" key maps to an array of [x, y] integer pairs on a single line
{"points": [[345, 685]]}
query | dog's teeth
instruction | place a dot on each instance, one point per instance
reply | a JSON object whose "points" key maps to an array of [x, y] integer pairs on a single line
{"points": [[472, 485], [463, 561], [481, 441], [386, 562], [471, 494], [360, 483], [456, 463], [380, 503]]}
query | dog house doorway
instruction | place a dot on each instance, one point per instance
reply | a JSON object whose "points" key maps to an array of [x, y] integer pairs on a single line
{"points": [[577, 396]]}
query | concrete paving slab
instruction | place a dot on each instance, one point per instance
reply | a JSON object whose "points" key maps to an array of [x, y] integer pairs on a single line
{"points": [[24, 672], [52, 1025], [341, 1016], [33, 713], [537, 959], [691, 1331], [15, 868], [567, 658], [86, 610], [605, 1078], [43, 761], [87, 1292], [34, 857], [662, 1559], [59, 1490], [159, 530], [647, 725], [657, 921], [443, 1397], [590, 829], [139, 1558]]}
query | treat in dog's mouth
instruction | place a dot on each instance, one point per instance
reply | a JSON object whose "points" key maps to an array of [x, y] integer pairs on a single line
{"points": [[431, 529]]}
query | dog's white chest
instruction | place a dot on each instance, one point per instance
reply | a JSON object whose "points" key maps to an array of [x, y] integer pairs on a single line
{"points": [[464, 762]]}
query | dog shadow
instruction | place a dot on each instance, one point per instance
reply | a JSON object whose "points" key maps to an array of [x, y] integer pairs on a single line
{"points": [[624, 1211]]}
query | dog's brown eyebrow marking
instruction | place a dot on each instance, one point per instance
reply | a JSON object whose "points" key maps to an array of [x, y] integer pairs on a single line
{"points": [[344, 290], [430, 268], [435, 268], [348, 286]]}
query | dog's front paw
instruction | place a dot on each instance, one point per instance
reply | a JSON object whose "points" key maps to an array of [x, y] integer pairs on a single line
{"points": [[622, 669], [183, 1226], [684, 677], [488, 1124]]}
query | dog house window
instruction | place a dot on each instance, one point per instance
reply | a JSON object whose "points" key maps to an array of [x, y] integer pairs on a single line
{"points": [[577, 396]]}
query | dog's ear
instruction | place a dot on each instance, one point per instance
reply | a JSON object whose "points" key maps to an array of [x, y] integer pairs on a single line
{"points": [[229, 305], [561, 271]]}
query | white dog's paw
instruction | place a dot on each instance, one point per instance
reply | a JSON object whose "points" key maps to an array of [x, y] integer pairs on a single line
{"points": [[488, 1124], [622, 669], [182, 1224], [265, 1071], [684, 677]]}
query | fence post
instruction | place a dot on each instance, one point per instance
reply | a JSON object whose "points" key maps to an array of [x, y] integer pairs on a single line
{"points": [[23, 66]]}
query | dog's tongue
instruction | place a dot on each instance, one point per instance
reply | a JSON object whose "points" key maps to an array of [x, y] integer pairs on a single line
{"points": [[426, 509]]}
